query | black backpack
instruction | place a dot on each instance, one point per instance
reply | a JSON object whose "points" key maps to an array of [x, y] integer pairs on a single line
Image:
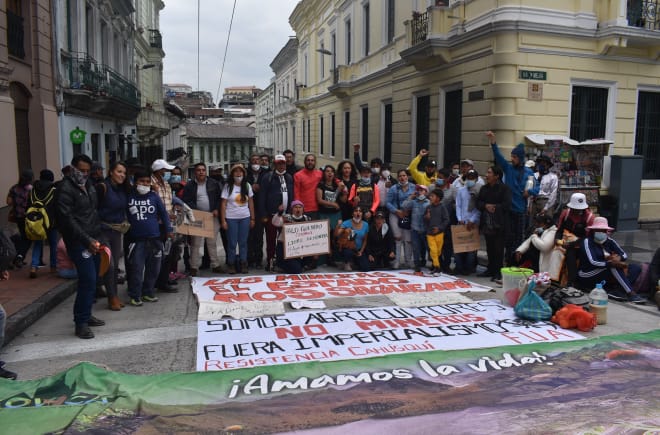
{"points": [[557, 297]]}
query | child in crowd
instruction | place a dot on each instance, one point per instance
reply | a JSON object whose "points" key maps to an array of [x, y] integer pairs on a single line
{"points": [[145, 248], [417, 203], [437, 219]]}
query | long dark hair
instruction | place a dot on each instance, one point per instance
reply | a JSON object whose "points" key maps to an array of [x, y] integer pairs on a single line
{"points": [[245, 189], [126, 185], [338, 172]]}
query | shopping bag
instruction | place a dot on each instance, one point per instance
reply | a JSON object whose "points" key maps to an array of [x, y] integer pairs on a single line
{"points": [[532, 307]]}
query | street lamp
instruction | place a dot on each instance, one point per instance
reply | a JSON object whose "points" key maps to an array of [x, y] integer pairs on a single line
{"points": [[324, 51]]}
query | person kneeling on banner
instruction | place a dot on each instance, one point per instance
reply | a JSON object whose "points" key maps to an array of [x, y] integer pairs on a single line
{"points": [[352, 241], [534, 252], [289, 265]]}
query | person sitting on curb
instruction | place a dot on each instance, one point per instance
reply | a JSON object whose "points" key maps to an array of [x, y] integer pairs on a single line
{"points": [[602, 259], [289, 265], [380, 243]]}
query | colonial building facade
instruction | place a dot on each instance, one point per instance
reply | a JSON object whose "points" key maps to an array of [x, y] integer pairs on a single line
{"points": [[398, 76]]}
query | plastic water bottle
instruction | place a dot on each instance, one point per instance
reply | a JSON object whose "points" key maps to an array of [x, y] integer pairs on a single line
{"points": [[598, 303]]}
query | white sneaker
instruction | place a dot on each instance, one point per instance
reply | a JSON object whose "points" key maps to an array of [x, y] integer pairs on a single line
{"points": [[347, 267]]}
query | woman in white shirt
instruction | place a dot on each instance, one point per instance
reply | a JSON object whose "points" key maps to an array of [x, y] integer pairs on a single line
{"points": [[237, 216]]}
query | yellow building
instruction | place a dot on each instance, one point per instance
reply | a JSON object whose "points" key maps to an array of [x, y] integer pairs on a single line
{"points": [[398, 76]]}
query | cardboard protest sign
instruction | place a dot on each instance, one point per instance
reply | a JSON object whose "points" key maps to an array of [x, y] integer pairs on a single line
{"points": [[354, 333], [202, 227], [303, 239], [465, 240], [288, 288]]}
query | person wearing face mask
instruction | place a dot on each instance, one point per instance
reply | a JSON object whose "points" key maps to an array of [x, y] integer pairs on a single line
{"points": [[546, 200], [602, 259], [449, 201], [203, 193], [571, 229], [237, 217], [355, 230], [365, 194], [161, 171], [454, 172], [381, 177], [289, 265], [256, 173], [396, 196], [150, 224], [535, 252], [416, 204], [467, 214], [80, 227], [17, 200]]}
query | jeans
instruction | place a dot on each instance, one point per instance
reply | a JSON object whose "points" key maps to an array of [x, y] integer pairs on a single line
{"points": [[237, 234], [38, 246], [143, 260], [419, 247], [465, 262], [495, 251], [112, 239], [256, 244], [87, 266], [361, 260]]}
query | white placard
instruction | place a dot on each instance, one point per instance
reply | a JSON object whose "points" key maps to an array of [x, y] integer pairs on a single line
{"points": [[426, 299], [304, 239], [210, 310]]}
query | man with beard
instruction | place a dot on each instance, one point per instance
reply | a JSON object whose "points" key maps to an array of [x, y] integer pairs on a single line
{"points": [[291, 167], [304, 186]]}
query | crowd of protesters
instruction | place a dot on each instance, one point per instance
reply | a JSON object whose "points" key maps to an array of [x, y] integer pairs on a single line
{"points": [[377, 220]]}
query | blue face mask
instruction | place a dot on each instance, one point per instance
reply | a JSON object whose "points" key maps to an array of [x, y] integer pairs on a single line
{"points": [[470, 183], [600, 237], [366, 179], [175, 179], [440, 182], [166, 176]]}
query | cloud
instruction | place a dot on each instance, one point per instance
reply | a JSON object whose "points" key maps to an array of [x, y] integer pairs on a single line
{"points": [[259, 31]]}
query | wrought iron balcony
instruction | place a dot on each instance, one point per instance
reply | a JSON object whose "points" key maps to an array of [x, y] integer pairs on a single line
{"points": [[155, 38], [644, 14], [15, 35], [419, 27]]}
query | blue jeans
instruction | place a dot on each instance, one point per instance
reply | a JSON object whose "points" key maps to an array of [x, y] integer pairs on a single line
{"points": [[419, 246], [362, 260], [87, 266], [143, 260], [38, 246], [237, 234]]}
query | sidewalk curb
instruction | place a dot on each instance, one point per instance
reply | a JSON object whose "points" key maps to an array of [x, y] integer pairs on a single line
{"points": [[21, 320]]}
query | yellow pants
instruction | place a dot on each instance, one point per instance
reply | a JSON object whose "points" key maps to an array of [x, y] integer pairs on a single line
{"points": [[435, 247]]}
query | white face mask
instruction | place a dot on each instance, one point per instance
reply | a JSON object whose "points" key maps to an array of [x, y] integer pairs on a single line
{"points": [[357, 220], [456, 172], [255, 168], [142, 190], [238, 180], [375, 171], [386, 173]]}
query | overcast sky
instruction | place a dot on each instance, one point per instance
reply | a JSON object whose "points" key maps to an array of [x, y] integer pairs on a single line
{"points": [[260, 29]]}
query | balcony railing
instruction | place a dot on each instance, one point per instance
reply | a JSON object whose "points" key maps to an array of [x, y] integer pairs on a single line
{"points": [[155, 38], [420, 27], [84, 73], [644, 13], [15, 35]]}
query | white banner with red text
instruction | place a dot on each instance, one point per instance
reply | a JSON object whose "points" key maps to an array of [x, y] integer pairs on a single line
{"points": [[354, 333], [286, 288]]}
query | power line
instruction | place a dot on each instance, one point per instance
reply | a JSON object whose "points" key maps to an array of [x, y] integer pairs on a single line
{"points": [[198, 45], [224, 58]]}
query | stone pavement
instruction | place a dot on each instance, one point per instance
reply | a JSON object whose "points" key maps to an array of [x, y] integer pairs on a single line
{"points": [[26, 300]]}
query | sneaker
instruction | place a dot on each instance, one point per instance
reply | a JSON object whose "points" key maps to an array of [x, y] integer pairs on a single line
{"points": [[147, 298], [231, 269], [4, 373], [347, 267], [168, 288], [417, 269], [135, 302], [84, 332], [617, 295], [218, 269], [636, 299], [93, 321]]}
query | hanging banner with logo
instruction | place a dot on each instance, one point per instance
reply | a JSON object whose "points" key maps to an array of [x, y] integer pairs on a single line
{"points": [[324, 285], [357, 333], [609, 380]]}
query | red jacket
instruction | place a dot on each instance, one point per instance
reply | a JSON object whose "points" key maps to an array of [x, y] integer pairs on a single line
{"points": [[304, 188]]}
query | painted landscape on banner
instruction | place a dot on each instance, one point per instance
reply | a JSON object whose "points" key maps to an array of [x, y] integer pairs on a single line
{"points": [[605, 385], [324, 285], [355, 333]]}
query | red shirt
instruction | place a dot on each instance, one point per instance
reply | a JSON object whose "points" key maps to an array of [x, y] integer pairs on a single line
{"points": [[304, 188]]}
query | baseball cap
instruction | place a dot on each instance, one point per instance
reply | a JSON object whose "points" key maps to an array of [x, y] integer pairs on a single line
{"points": [[471, 174], [467, 162], [280, 158], [159, 164]]}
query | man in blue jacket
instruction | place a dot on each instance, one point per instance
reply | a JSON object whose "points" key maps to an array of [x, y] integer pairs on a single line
{"points": [[516, 176]]}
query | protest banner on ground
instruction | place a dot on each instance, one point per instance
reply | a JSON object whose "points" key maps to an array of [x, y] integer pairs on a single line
{"points": [[202, 227], [604, 385], [355, 333], [324, 285], [304, 239]]}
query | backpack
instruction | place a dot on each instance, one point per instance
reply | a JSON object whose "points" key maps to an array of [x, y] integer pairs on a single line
{"points": [[37, 222], [559, 297]]}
